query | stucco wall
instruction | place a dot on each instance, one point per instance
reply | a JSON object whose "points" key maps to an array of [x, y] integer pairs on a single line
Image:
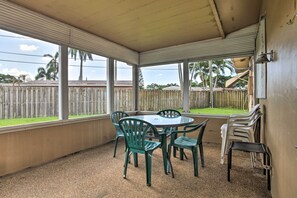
{"points": [[32, 146], [281, 103]]}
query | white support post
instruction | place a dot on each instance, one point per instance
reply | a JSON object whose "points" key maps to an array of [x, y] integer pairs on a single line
{"points": [[186, 108], [110, 85], [135, 79], [63, 82], [115, 71]]}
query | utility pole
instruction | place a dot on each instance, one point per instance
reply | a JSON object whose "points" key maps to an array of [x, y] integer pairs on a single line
{"points": [[210, 83]]}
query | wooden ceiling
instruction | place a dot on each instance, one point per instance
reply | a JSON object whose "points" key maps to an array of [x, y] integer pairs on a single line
{"points": [[143, 25]]}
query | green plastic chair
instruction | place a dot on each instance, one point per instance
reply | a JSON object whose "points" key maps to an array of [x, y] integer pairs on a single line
{"points": [[135, 132], [170, 113], [184, 142], [115, 118]]}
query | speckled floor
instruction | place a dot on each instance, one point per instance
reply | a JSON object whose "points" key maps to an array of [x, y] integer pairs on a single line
{"points": [[95, 173]]}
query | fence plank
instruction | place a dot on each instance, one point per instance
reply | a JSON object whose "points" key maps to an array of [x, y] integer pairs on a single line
{"points": [[22, 102]]}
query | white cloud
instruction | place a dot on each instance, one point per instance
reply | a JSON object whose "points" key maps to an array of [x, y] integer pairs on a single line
{"points": [[158, 75], [16, 72], [28, 48]]}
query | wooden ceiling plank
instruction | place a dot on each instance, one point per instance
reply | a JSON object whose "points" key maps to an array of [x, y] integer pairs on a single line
{"points": [[156, 10], [162, 37], [178, 14], [217, 17], [170, 23], [149, 24]]}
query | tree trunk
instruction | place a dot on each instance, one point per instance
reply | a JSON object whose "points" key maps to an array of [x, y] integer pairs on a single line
{"points": [[210, 83]]}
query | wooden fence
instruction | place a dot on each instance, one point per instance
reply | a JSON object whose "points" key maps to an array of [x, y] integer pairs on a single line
{"points": [[28, 102], [155, 100]]}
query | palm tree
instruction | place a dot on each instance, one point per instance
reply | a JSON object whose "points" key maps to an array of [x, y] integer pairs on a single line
{"points": [[83, 56], [141, 79], [201, 70], [51, 70], [219, 68]]}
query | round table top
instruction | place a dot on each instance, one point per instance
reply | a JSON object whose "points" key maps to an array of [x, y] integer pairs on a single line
{"points": [[160, 121]]}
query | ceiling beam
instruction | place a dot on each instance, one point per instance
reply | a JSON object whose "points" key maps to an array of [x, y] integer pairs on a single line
{"points": [[217, 18]]}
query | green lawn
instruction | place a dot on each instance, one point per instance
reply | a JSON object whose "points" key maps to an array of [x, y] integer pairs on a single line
{"points": [[221, 111], [19, 121]]}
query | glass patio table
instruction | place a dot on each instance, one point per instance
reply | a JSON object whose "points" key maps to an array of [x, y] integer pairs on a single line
{"points": [[166, 123], [163, 122]]}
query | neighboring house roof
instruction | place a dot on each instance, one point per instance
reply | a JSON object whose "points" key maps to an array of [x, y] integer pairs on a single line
{"points": [[177, 88], [71, 83], [171, 88]]}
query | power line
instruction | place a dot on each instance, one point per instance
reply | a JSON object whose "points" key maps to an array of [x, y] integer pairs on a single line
{"points": [[37, 55], [26, 62], [39, 63]]}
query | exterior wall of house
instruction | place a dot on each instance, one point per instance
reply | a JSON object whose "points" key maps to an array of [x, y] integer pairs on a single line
{"points": [[32, 145], [280, 131], [212, 131]]}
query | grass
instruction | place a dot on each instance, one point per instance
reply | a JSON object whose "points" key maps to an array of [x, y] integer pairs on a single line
{"points": [[220, 111], [20, 121], [212, 111]]}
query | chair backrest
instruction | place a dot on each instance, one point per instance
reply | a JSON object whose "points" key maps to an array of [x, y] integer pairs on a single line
{"points": [[135, 131], [200, 126], [201, 132], [254, 118], [115, 118], [253, 122], [117, 115], [254, 109], [171, 113]]}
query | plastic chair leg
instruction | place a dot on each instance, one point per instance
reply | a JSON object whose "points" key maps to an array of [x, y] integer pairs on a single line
{"points": [[195, 161], [223, 148], [126, 163], [164, 154], [174, 148], [115, 146], [201, 155], [148, 168], [229, 161], [266, 163], [169, 164], [135, 157], [169, 151], [181, 153]]}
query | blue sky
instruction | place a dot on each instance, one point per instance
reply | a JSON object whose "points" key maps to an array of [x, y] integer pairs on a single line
{"points": [[23, 55]]}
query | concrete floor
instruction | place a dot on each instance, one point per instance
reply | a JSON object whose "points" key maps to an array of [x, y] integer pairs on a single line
{"points": [[95, 173]]}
